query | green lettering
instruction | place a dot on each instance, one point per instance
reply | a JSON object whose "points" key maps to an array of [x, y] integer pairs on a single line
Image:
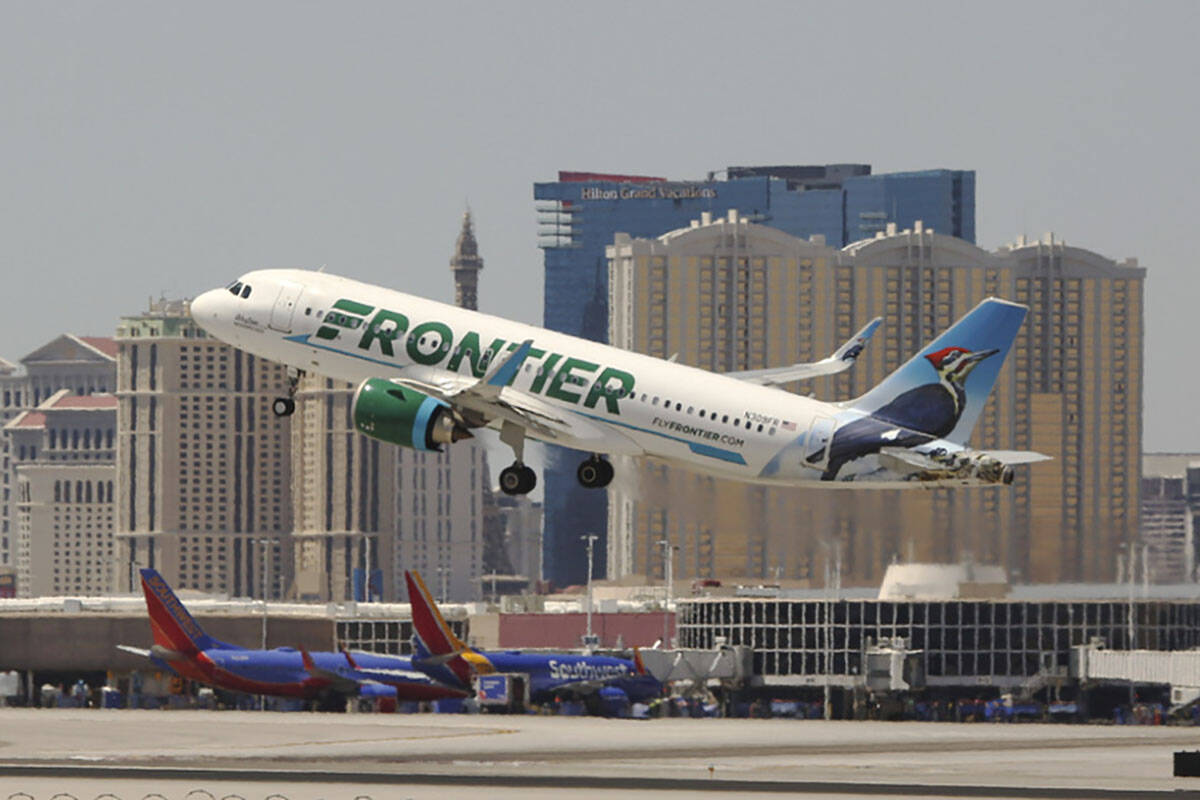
{"points": [[469, 347], [563, 375], [442, 335], [543, 372], [611, 394], [374, 331]]}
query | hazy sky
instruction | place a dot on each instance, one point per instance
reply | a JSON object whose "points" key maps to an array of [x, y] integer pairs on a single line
{"points": [[150, 148]]}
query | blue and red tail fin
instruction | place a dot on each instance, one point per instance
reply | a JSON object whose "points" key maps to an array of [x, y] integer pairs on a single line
{"points": [[436, 644], [173, 627]]}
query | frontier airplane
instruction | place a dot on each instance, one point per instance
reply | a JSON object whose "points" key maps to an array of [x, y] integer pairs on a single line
{"points": [[428, 374]]}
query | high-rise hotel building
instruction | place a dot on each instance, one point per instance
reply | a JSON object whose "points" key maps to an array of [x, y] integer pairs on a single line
{"points": [[203, 465], [581, 212], [727, 294], [82, 364]]}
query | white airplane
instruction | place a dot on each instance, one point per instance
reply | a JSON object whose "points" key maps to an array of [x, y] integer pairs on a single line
{"points": [[429, 373]]}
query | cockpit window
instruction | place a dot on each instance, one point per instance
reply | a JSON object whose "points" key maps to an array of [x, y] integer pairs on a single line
{"points": [[236, 288], [245, 291]]}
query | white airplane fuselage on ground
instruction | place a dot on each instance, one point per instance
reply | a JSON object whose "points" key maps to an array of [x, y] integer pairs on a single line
{"points": [[592, 397]]}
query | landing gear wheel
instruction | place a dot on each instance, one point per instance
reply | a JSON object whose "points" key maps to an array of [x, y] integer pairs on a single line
{"points": [[283, 406], [595, 473], [517, 479]]}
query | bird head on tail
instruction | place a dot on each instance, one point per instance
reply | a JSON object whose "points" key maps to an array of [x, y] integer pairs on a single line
{"points": [[954, 364]]}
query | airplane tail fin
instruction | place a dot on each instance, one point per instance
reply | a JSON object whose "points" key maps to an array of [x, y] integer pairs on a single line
{"points": [[434, 637], [638, 664], [965, 359], [173, 627]]}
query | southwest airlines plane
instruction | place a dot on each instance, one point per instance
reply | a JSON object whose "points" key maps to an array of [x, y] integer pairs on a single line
{"points": [[429, 373]]}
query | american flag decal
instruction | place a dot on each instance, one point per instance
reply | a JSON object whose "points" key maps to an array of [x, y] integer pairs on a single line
{"points": [[788, 426]]}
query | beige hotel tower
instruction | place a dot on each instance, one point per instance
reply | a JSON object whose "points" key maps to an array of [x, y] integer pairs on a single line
{"points": [[359, 500], [203, 465], [727, 294]]}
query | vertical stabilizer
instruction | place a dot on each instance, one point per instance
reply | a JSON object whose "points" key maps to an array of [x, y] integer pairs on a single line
{"points": [[941, 391], [173, 627], [441, 647]]}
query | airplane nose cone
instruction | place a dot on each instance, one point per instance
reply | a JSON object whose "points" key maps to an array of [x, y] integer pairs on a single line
{"points": [[206, 310]]}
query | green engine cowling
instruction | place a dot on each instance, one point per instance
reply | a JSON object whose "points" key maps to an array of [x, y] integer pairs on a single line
{"points": [[403, 416]]}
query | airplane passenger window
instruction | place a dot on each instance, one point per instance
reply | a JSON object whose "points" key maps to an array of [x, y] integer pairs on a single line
{"points": [[679, 406], [245, 291], [760, 427], [725, 418], [655, 401], [308, 311], [771, 432], [691, 409]]}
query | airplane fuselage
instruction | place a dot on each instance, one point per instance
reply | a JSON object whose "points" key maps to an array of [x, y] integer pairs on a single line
{"points": [[282, 673], [623, 403]]}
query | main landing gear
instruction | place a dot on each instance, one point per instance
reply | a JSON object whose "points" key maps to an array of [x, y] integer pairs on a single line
{"points": [[595, 473], [517, 478], [286, 406]]}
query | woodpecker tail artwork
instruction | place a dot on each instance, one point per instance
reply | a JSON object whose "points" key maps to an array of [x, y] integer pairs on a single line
{"points": [[955, 373], [937, 395]]}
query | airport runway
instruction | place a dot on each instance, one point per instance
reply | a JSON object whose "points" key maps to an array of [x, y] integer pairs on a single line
{"points": [[247, 754]]}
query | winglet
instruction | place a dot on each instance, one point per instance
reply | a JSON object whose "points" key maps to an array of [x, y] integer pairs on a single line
{"points": [[855, 344], [504, 370], [349, 659], [637, 661]]}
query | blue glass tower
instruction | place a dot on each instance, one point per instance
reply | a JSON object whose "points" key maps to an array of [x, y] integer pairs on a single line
{"points": [[580, 213]]}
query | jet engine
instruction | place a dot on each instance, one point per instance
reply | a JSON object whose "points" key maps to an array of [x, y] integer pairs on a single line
{"points": [[399, 415]]}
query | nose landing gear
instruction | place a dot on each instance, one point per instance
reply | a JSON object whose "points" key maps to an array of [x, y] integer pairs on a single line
{"points": [[286, 406], [594, 473]]}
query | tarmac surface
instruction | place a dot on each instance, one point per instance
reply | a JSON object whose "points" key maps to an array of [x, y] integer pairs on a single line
{"points": [[194, 755]]}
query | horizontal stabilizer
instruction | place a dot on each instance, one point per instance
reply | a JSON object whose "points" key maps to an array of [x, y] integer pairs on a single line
{"points": [[137, 651], [1017, 456], [971, 466]]}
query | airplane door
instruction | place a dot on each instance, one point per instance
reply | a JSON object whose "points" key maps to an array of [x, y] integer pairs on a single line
{"points": [[820, 435], [285, 306]]}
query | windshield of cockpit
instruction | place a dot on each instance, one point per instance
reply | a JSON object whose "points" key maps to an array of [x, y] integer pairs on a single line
{"points": [[239, 289]]}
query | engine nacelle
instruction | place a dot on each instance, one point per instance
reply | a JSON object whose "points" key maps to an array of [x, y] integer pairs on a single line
{"points": [[396, 414]]}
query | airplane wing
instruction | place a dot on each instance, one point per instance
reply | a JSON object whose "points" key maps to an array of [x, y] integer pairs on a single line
{"points": [[842, 359], [346, 684], [490, 399]]}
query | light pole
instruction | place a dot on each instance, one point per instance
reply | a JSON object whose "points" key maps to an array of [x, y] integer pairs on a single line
{"points": [[668, 573], [264, 553], [591, 543]]}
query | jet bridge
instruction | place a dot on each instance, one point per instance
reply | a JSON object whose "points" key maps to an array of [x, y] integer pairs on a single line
{"points": [[727, 665], [1179, 669]]}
